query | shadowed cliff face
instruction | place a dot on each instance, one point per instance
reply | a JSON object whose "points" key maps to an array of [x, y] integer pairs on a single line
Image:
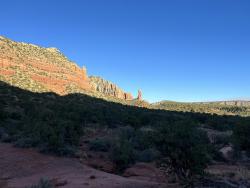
{"points": [[40, 69]]}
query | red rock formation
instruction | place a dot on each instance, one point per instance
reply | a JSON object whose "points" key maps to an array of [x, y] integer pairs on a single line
{"points": [[128, 96], [47, 70], [40, 69], [108, 88], [139, 97]]}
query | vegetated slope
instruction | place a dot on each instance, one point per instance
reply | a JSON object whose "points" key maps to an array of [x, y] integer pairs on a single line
{"points": [[35, 116], [56, 124], [41, 69], [241, 108]]}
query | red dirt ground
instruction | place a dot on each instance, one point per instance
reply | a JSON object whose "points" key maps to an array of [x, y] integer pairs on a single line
{"points": [[24, 167]]}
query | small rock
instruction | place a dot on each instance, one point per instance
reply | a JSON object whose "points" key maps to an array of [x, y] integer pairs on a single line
{"points": [[227, 152]]}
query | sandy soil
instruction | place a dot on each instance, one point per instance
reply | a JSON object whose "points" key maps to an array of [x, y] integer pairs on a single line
{"points": [[24, 167]]}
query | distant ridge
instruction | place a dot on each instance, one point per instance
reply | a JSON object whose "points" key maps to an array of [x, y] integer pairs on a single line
{"points": [[229, 102]]}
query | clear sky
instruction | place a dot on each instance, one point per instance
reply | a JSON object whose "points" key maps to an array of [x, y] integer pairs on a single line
{"points": [[183, 50]]}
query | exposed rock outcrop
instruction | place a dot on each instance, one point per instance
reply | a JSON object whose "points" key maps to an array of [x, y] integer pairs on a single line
{"points": [[41, 69], [108, 88], [139, 96]]}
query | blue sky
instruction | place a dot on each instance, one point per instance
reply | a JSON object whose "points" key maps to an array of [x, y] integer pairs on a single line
{"points": [[183, 50]]}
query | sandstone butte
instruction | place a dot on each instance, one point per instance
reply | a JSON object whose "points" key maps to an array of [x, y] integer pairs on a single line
{"points": [[41, 69]]}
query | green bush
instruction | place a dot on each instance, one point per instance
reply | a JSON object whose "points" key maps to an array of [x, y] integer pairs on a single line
{"points": [[99, 145], [3, 134], [184, 148], [222, 140], [122, 154], [3, 114], [147, 155], [24, 143], [241, 136]]}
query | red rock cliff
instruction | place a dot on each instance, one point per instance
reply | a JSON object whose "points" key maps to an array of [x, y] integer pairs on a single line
{"points": [[47, 70]]}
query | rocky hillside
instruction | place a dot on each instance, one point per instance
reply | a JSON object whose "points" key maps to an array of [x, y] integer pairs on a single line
{"points": [[41, 69], [108, 88]]}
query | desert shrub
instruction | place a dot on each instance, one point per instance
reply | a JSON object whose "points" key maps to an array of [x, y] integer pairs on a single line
{"points": [[54, 136], [241, 137], [43, 183], [122, 154], [184, 148], [67, 150], [143, 139], [147, 155], [24, 143], [4, 136], [3, 114], [222, 140], [126, 132], [215, 154], [134, 121], [220, 123], [99, 144], [15, 115]]}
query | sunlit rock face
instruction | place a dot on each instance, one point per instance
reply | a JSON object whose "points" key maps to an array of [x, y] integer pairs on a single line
{"points": [[108, 88], [40, 69], [139, 96]]}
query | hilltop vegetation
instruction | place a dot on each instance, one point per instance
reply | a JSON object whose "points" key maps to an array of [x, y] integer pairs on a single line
{"points": [[220, 108]]}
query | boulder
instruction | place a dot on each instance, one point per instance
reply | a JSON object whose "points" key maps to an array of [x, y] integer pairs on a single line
{"points": [[227, 152]]}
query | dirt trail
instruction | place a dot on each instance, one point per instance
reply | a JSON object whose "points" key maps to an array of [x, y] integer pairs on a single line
{"points": [[24, 167]]}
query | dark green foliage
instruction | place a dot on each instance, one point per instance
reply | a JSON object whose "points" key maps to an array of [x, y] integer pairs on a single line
{"points": [[55, 124], [122, 154], [241, 136], [24, 143], [3, 135], [99, 145], [222, 140], [147, 155], [3, 114], [184, 148], [210, 108]]}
